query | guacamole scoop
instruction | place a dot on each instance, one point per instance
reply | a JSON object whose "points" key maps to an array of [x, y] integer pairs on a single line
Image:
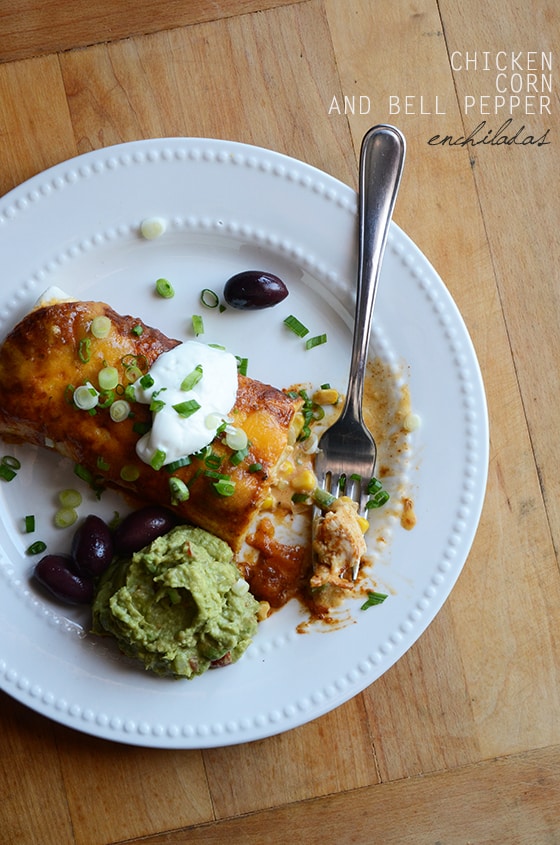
{"points": [[179, 605]]}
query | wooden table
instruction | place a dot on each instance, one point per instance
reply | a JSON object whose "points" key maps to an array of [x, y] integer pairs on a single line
{"points": [[460, 741]]}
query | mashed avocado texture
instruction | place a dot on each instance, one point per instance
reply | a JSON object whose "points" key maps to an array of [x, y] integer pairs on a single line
{"points": [[179, 605]]}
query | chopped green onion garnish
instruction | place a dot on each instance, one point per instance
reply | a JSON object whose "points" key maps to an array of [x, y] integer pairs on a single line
{"points": [[165, 288], [106, 399], [147, 381], [209, 298], [378, 500], [101, 326], [129, 472], [141, 428], [225, 487], [180, 462], [295, 326], [86, 397], [11, 462], [120, 410], [299, 498], [197, 324], [236, 438], [212, 461], [379, 496], [322, 498], [108, 378], [192, 379], [179, 490], [83, 473], [6, 473], [187, 409], [239, 456], [255, 467], [137, 330], [157, 405], [36, 548], [157, 459], [242, 364], [65, 517], [29, 523], [318, 340], [70, 498], [103, 465], [84, 350], [373, 599]]}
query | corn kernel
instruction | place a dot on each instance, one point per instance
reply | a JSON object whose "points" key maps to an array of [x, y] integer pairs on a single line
{"points": [[287, 468], [268, 503], [304, 481], [363, 523], [326, 396]]}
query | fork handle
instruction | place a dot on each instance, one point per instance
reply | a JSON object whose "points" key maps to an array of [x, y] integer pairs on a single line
{"points": [[381, 164]]}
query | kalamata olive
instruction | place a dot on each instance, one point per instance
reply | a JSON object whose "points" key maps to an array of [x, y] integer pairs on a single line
{"points": [[55, 573], [141, 527], [92, 547], [253, 289]]}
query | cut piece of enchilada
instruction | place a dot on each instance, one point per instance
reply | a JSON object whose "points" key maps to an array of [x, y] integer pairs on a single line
{"points": [[53, 350]]}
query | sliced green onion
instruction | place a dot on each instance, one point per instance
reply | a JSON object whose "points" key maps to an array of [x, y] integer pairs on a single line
{"points": [[373, 599], [236, 438], [70, 498], [256, 467], [36, 548], [296, 326], [225, 487], [6, 473], [29, 523], [120, 410], [84, 350], [180, 462], [197, 324], [106, 399], [179, 490], [239, 456], [165, 289], [103, 465], [86, 397], [158, 459], [147, 381], [129, 472], [192, 379], [187, 409], [212, 461], [137, 330], [133, 373], [83, 473], [101, 326], [322, 498], [318, 340], [65, 517], [299, 498], [108, 378], [157, 405], [209, 298], [242, 365], [377, 501], [11, 462], [141, 428]]}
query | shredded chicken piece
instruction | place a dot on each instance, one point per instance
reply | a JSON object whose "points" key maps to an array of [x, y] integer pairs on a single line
{"points": [[338, 544]]}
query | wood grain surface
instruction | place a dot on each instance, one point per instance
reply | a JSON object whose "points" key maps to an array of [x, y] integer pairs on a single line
{"points": [[460, 741]]}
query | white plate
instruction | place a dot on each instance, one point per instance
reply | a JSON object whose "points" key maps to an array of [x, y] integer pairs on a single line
{"points": [[229, 207]]}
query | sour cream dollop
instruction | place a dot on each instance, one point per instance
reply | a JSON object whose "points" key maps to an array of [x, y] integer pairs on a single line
{"points": [[189, 375]]}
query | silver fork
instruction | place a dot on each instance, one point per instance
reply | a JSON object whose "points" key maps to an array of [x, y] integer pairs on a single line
{"points": [[345, 462]]}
